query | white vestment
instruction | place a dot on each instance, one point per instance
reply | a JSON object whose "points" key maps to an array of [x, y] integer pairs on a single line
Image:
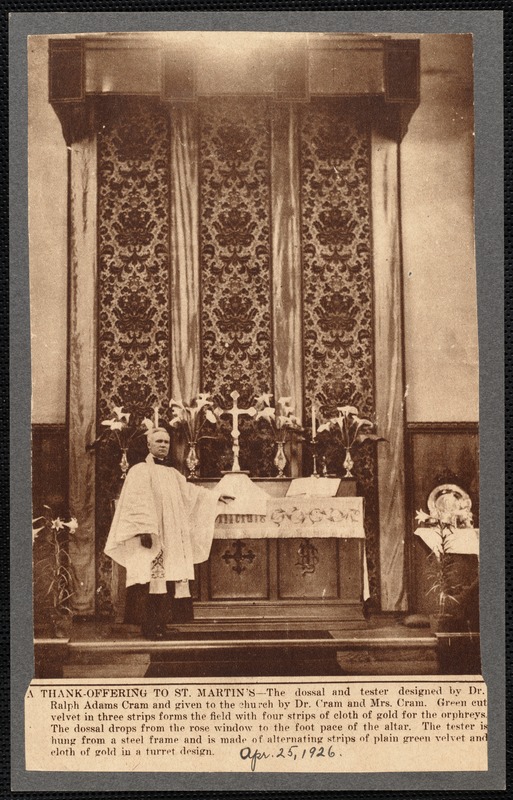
{"points": [[180, 516]]}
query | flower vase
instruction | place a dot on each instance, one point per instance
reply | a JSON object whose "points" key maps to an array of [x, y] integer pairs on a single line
{"points": [[280, 459], [192, 460], [124, 465], [348, 464]]}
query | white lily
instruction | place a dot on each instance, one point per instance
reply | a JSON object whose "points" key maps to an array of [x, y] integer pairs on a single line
{"points": [[350, 426], [265, 413], [36, 531], [114, 424], [347, 410], [280, 417], [210, 416], [120, 414], [53, 567], [193, 417], [119, 429], [203, 400], [119, 420], [262, 400]]}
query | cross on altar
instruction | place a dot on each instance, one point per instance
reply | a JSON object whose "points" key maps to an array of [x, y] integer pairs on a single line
{"points": [[235, 412]]}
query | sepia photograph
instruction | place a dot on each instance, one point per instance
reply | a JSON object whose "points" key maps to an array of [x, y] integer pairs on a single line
{"points": [[254, 343]]}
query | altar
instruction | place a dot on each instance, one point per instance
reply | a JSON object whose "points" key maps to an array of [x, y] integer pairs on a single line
{"points": [[294, 560], [300, 562]]}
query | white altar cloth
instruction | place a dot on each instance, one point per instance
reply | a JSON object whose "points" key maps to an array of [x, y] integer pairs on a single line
{"points": [[462, 541]]}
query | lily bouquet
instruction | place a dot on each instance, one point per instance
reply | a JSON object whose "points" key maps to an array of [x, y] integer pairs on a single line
{"points": [[119, 428], [193, 418], [281, 419], [352, 430], [122, 431], [53, 568]]}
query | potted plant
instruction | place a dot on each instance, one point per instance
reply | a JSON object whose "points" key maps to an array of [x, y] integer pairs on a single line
{"points": [[444, 580], [53, 573]]}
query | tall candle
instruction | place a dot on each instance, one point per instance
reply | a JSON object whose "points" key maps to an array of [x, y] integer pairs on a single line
{"points": [[314, 431], [156, 417]]}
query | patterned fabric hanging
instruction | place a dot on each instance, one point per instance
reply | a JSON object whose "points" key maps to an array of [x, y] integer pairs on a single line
{"points": [[236, 303], [235, 272], [133, 282], [337, 282]]}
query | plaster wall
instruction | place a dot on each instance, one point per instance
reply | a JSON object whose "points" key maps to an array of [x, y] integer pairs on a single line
{"points": [[48, 243], [441, 347]]}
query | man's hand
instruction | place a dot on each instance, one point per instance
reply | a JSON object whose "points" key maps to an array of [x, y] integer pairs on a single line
{"points": [[146, 540], [226, 498]]}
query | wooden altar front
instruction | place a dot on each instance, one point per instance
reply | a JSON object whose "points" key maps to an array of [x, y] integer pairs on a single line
{"points": [[309, 581], [265, 580]]}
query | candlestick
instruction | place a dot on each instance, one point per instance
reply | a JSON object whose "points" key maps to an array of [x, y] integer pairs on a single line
{"points": [[156, 416], [313, 442], [314, 431]]}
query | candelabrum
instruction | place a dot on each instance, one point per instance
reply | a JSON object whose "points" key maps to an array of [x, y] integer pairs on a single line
{"points": [[314, 443]]}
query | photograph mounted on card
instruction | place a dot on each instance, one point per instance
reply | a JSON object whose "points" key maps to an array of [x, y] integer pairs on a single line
{"points": [[255, 513]]}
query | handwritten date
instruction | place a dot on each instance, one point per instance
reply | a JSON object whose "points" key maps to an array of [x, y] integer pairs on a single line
{"points": [[294, 753]]}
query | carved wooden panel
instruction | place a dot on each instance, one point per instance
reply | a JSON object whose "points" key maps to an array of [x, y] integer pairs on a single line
{"points": [[350, 553], [49, 468], [307, 568], [239, 569]]}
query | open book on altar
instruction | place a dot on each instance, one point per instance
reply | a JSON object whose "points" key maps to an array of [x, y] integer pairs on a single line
{"points": [[315, 487]]}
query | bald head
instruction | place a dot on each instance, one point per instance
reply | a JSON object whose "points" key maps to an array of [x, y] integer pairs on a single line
{"points": [[158, 442]]}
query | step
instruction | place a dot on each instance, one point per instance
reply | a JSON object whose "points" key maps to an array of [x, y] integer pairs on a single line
{"points": [[225, 653]]}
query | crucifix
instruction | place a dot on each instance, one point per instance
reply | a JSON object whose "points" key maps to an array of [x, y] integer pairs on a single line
{"points": [[235, 412]]}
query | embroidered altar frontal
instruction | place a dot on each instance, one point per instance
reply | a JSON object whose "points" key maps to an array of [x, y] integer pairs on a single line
{"points": [[234, 252], [295, 517]]}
